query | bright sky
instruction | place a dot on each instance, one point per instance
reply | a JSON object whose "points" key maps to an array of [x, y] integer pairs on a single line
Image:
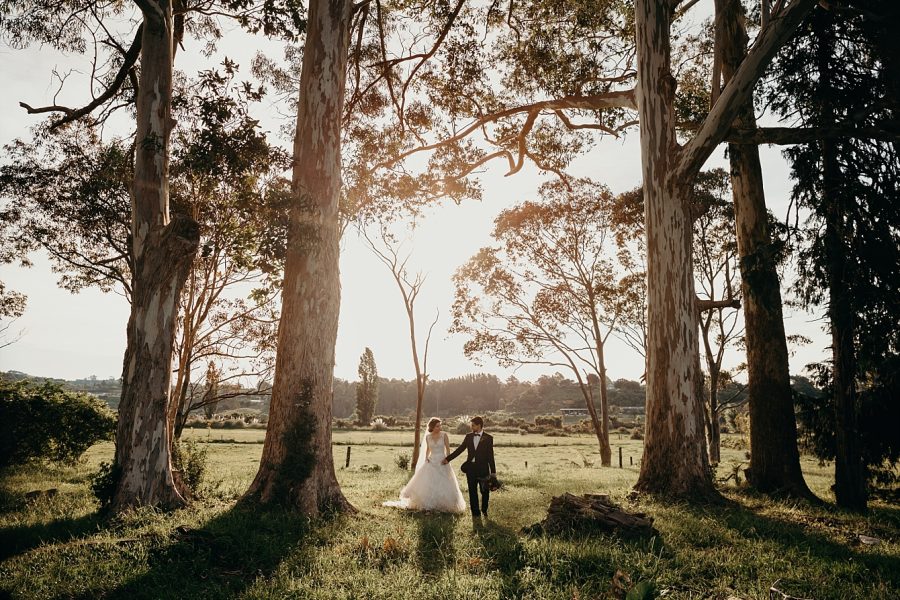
{"points": [[74, 336]]}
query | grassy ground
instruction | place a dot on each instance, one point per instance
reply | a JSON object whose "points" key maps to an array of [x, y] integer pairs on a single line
{"points": [[57, 547]]}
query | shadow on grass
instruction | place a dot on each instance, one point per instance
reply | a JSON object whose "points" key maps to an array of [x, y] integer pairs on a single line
{"points": [[18, 539], [435, 549], [224, 556], [503, 551], [22, 538], [799, 536]]}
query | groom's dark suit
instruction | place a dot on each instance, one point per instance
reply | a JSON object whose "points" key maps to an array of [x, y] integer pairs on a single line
{"points": [[479, 463]]}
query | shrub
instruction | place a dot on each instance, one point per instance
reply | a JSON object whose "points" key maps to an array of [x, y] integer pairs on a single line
{"points": [[192, 460], [548, 421], [637, 433], [46, 422], [103, 484], [402, 461], [463, 428], [379, 425]]}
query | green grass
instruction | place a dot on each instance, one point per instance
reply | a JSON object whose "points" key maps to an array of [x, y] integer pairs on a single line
{"points": [[59, 548]]}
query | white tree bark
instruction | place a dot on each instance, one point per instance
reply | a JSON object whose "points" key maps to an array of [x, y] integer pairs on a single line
{"points": [[675, 460], [163, 252]]}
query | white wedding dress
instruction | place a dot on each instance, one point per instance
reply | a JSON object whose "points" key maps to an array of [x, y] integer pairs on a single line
{"points": [[433, 486]]}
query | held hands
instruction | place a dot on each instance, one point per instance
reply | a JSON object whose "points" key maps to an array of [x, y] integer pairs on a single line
{"points": [[445, 462]]}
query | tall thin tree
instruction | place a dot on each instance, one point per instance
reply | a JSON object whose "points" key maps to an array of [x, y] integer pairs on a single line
{"points": [[388, 253]]}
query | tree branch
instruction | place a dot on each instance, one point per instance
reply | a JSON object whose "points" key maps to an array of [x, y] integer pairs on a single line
{"points": [[739, 89], [704, 305], [128, 62], [617, 99], [889, 132]]}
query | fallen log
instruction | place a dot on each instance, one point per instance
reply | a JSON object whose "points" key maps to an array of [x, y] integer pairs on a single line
{"points": [[591, 512]]}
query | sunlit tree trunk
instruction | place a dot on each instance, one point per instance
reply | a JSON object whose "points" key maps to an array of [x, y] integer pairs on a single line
{"points": [[420, 384], [163, 252], [297, 466], [713, 367], [774, 456], [675, 460], [183, 359], [603, 430]]}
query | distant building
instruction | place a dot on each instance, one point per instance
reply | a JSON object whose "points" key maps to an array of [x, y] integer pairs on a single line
{"points": [[574, 412]]}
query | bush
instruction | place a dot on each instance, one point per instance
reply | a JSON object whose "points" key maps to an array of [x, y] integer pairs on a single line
{"points": [[402, 461], [379, 425], [46, 422], [192, 460], [463, 428], [103, 484], [637, 433], [549, 421]]}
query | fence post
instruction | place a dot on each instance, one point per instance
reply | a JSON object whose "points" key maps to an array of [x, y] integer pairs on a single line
{"points": [[620, 457], [347, 465]]}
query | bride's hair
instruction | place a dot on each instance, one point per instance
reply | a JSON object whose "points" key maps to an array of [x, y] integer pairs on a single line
{"points": [[432, 423]]}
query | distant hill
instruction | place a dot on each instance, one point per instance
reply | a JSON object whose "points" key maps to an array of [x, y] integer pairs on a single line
{"points": [[108, 390]]}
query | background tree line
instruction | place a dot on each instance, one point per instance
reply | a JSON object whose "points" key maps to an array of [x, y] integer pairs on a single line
{"points": [[482, 392]]}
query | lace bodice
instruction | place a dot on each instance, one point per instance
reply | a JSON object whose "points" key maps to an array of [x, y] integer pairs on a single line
{"points": [[437, 446]]}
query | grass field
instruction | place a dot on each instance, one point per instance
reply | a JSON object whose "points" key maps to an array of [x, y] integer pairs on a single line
{"points": [[57, 547]]}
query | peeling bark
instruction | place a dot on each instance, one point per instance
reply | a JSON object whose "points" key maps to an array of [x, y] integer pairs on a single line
{"points": [[163, 252], [297, 466], [675, 461], [774, 458]]}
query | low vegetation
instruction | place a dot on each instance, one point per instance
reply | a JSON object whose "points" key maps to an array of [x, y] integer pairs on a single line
{"points": [[45, 422], [56, 545]]}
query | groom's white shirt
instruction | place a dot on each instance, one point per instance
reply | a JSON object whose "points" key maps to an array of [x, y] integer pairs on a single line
{"points": [[476, 439]]}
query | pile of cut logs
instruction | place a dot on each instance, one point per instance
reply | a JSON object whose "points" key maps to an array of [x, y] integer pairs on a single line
{"points": [[591, 512]]}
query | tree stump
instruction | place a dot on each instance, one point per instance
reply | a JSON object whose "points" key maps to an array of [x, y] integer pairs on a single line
{"points": [[591, 512]]}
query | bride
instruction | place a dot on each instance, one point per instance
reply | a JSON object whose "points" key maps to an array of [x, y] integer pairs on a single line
{"points": [[433, 486]]}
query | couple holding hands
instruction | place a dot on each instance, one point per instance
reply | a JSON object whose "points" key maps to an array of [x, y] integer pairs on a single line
{"points": [[434, 485]]}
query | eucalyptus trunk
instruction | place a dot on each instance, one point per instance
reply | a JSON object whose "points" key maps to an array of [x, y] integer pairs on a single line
{"points": [[675, 460], [713, 433], [774, 455], [297, 465], [163, 253], [603, 431]]}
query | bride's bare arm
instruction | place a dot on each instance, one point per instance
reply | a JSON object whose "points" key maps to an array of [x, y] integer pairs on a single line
{"points": [[446, 444]]}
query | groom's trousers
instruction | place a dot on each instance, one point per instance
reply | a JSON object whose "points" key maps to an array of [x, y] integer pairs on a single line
{"points": [[474, 488]]}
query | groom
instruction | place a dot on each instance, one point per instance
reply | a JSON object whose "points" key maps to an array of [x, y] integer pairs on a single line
{"points": [[479, 464]]}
